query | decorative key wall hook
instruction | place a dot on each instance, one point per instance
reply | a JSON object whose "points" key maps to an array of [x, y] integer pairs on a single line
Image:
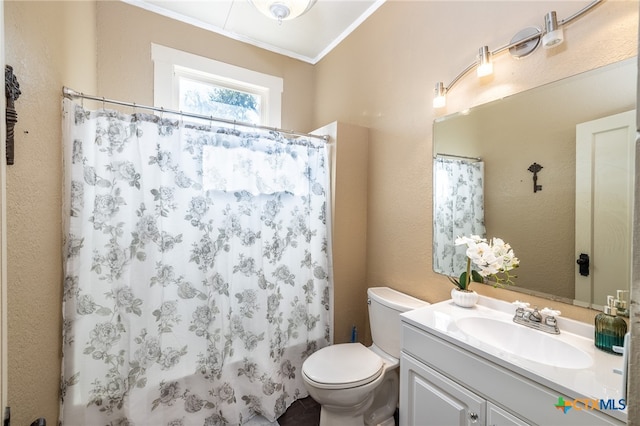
{"points": [[11, 93], [535, 168]]}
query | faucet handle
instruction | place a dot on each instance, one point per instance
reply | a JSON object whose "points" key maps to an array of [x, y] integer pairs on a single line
{"points": [[550, 317], [550, 312], [520, 304]]}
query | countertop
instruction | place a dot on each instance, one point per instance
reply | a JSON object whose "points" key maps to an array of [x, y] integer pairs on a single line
{"points": [[596, 381]]}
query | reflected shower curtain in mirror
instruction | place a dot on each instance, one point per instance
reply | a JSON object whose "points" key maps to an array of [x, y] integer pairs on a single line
{"points": [[197, 270], [458, 209]]}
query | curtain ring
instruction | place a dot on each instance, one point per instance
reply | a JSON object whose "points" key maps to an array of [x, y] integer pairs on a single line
{"points": [[210, 122], [161, 113], [82, 100], [103, 104]]}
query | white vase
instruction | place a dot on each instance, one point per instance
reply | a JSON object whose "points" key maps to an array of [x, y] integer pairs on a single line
{"points": [[464, 298]]}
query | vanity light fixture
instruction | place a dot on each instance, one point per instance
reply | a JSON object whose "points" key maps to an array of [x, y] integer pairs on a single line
{"points": [[553, 34], [521, 45], [283, 10], [440, 97], [485, 66]]}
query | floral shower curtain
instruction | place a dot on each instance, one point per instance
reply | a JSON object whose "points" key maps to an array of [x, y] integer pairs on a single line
{"points": [[197, 270], [458, 202]]}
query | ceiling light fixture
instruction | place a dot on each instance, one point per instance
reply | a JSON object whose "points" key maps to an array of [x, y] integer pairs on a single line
{"points": [[283, 10], [521, 45]]}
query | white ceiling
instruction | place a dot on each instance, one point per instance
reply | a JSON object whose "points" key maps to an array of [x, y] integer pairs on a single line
{"points": [[307, 38]]}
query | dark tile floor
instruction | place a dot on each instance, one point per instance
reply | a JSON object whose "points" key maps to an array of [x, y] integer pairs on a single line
{"points": [[303, 412], [306, 412]]}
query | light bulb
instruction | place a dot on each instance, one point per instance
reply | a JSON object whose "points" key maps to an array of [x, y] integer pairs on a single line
{"points": [[283, 10], [553, 34], [485, 66], [440, 98]]}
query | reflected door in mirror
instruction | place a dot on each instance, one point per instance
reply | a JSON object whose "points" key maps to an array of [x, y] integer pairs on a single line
{"points": [[604, 204]]}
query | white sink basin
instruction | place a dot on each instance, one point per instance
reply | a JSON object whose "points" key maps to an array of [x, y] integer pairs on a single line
{"points": [[525, 342]]}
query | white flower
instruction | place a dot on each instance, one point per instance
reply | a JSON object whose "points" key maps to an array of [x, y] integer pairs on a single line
{"points": [[491, 257], [473, 239]]}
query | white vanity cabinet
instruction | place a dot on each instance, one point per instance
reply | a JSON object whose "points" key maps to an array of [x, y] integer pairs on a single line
{"points": [[434, 400], [443, 384]]}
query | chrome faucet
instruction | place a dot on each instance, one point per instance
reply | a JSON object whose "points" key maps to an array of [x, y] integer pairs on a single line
{"points": [[534, 315], [543, 320]]}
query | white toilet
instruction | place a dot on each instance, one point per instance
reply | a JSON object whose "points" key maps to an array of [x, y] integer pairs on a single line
{"points": [[356, 385]]}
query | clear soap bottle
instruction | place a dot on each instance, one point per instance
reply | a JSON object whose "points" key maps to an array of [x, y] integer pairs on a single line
{"points": [[610, 328]]}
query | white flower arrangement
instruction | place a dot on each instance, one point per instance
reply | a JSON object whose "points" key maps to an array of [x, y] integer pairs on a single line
{"points": [[494, 259]]}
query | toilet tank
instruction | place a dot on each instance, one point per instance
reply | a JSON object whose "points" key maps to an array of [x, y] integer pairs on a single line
{"points": [[385, 307]]}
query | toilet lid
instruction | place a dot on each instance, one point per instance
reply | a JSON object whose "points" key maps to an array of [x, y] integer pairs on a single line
{"points": [[343, 365]]}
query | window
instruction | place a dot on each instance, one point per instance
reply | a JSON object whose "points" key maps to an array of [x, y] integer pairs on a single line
{"points": [[205, 97], [191, 83]]}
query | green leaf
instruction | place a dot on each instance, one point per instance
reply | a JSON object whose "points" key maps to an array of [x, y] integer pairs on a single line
{"points": [[456, 283], [463, 281], [475, 276]]}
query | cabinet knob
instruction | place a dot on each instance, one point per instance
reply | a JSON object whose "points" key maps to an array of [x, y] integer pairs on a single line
{"points": [[473, 417]]}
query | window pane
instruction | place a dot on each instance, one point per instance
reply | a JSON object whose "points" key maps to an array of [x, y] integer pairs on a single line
{"points": [[203, 98]]}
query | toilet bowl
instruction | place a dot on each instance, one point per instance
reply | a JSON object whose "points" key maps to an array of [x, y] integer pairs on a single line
{"points": [[357, 385]]}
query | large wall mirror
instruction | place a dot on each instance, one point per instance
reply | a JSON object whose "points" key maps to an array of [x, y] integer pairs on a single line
{"points": [[577, 135]]}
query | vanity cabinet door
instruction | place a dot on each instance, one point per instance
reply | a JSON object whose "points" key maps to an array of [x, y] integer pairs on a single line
{"points": [[496, 416], [427, 398]]}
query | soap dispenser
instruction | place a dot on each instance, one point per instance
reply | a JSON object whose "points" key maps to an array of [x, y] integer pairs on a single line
{"points": [[610, 328]]}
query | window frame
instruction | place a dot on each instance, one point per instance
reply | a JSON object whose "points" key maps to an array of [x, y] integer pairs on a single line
{"points": [[170, 64]]}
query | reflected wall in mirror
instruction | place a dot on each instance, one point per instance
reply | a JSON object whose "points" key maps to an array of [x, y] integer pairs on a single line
{"points": [[539, 126]]}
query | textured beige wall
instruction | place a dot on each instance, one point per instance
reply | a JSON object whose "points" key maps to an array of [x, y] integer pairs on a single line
{"points": [[49, 44], [3, 240], [350, 148], [382, 77]]}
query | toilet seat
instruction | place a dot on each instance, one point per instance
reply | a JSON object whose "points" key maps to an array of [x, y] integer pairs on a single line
{"points": [[341, 366]]}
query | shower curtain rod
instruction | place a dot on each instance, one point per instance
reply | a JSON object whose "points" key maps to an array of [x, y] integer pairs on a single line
{"points": [[458, 156], [70, 93]]}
